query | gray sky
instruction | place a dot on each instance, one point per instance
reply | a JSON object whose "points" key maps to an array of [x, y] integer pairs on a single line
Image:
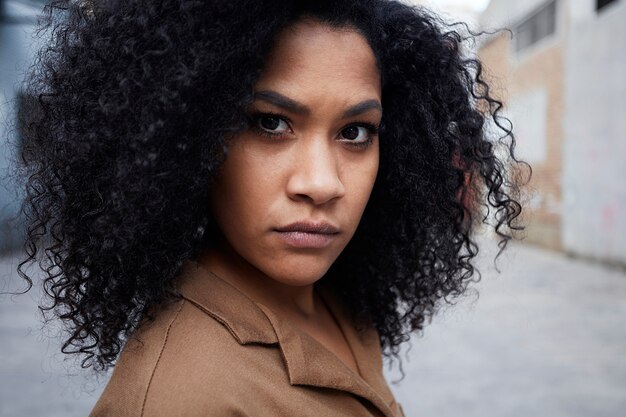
{"points": [[464, 10]]}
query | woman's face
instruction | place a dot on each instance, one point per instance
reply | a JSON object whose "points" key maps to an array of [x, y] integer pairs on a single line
{"points": [[294, 186]]}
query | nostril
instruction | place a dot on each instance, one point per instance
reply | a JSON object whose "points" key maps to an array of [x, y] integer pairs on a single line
{"points": [[316, 188]]}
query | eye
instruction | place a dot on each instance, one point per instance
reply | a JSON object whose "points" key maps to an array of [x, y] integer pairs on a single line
{"points": [[272, 124], [359, 133]]}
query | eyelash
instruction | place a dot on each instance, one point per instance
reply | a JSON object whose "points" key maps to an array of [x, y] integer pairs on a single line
{"points": [[372, 130]]}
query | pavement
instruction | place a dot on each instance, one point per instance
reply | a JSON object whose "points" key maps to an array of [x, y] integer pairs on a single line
{"points": [[544, 337]]}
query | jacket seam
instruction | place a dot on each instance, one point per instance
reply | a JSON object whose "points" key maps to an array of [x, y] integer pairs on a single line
{"points": [[217, 318], [167, 333]]}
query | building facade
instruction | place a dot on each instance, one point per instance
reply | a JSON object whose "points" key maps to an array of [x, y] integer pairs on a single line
{"points": [[561, 74]]}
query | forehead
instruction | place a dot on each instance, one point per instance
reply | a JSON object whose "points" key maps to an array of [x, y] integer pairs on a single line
{"points": [[311, 55]]}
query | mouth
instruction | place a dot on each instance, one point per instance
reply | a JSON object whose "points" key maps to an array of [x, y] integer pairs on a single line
{"points": [[308, 234]]}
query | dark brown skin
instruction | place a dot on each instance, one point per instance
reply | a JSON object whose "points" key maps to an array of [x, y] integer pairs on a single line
{"points": [[318, 173]]}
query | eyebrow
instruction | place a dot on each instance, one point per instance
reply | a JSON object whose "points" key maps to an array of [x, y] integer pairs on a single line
{"points": [[287, 103], [362, 107]]}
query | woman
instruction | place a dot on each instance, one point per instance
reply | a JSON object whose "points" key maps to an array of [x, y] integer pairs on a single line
{"points": [[240, 203]]}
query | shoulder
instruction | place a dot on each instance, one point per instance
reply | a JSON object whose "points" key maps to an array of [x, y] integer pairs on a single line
{"points": [[204, 370], [125, 392], [184, 363]]}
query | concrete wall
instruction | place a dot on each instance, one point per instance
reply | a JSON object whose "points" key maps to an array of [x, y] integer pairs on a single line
{"points": [[594, 154], [505, 13]]}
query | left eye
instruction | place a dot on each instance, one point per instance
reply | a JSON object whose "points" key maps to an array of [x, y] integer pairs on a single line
{"points": [[355, 133]]}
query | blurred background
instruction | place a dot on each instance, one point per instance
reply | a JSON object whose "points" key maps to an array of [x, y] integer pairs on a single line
{"points": [[546, 336]]}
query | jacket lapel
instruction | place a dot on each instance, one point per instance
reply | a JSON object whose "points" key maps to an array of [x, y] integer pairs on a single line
{"points": [[308, 362], [365, 346]]}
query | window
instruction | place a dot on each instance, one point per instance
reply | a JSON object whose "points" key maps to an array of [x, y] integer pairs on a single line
{"points": [[538, 25], [600, 4]]}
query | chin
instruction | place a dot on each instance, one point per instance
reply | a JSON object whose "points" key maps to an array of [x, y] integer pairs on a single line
{"points": [[298, 275]]}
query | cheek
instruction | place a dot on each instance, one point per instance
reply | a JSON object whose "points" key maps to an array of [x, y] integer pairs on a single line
{"points": [[241, 193], [368, 170], [360, 179]]}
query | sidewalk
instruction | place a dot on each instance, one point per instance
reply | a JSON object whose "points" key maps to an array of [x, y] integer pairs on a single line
{"points": [[546, 337], [34, 379]]}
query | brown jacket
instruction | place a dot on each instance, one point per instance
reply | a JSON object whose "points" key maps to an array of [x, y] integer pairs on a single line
{"points": [[218, 353]]}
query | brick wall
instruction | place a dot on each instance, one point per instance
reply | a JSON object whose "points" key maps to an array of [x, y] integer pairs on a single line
{"points": [[511, 76]]}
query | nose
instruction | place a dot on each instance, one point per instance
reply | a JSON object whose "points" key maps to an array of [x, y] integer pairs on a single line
{"points": [[315, 172]]}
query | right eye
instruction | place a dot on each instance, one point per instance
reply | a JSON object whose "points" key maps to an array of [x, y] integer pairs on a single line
{"points": [[272, 124]]}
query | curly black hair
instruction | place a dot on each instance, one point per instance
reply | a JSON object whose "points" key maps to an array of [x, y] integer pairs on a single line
{"points": [[135, 102]]}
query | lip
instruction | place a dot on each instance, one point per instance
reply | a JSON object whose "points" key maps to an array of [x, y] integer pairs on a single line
{"points": [[308, 234]]}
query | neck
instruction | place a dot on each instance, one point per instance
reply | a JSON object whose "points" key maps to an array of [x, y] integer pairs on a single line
{"points": [[297, 302]]}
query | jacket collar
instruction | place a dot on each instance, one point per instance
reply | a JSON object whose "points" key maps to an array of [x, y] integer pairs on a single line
{"points": [[225, 303], [251, 322]]}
